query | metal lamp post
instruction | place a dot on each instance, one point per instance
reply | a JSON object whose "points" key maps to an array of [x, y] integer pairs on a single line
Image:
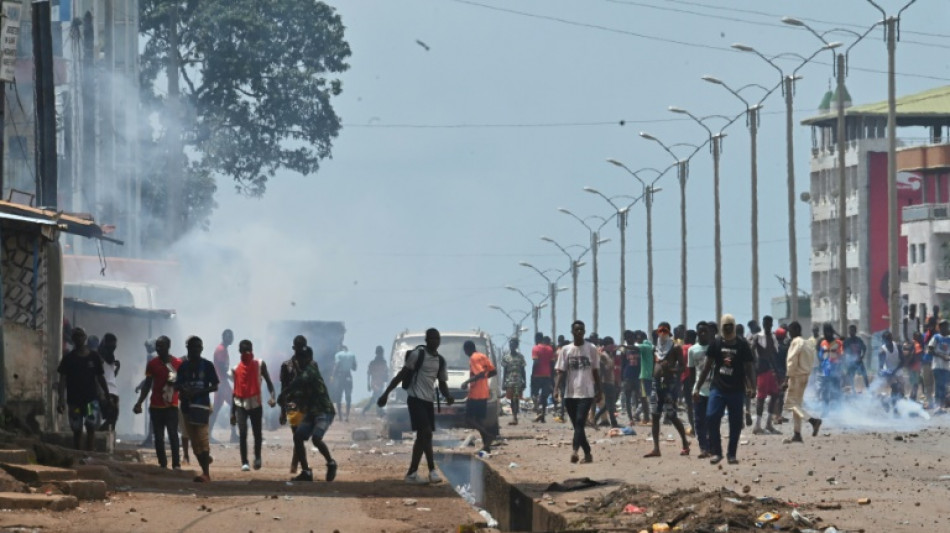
{"points": [[595, 242], [621, 213], [788, 90], [552, 292], [516, 324], [575, 265], [752, 121], [682, 175], [536, 307], [648, 191], [839, 70], [891, 25], [715, 140]]}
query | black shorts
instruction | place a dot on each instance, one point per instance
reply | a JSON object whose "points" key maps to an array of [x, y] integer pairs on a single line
{"points": [[421, 414], [476, 409]]}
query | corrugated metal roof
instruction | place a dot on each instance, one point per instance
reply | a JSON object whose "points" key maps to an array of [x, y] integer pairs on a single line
{"points": [[931, 107], [28, 220], [66, 222]]}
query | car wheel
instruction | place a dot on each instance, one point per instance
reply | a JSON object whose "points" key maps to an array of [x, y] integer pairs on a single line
{"points": [[394, 433]]}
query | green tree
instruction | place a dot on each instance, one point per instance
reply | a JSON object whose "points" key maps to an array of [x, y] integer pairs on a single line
{"points": [[252, 94]]}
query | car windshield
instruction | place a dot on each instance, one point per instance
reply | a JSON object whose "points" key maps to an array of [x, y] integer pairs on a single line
{"points": [[450, 348]]}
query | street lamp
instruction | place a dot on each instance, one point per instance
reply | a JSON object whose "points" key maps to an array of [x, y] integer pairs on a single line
{"points": [[595, 242], [536, 307], [891, 25], [516, 323], [621, 213], [648, 192], [682, 174], [575, 263], [715, 140], [752, 121], [788, 90], [552, 292], [840, 71]]}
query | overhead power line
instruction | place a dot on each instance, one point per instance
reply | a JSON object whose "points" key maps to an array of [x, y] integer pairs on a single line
{"points": [[753, 22], [656, 38]]}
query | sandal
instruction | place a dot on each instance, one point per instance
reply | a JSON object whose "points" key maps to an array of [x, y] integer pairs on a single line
{"points": [[685, 451], [654, 453]]}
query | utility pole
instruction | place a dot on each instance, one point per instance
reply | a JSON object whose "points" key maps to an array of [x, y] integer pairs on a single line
{"points": [[46, 177], [790, 182], [717, 148], [682, 175], [648, 198], [842, 204], [893, 230]]}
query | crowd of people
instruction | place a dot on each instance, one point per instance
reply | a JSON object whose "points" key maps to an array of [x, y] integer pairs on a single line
{"points": [[711, 371], [179, 391], [720, 368]]}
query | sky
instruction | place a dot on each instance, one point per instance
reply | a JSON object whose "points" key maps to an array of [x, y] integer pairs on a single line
{"points": [[455, 157]]}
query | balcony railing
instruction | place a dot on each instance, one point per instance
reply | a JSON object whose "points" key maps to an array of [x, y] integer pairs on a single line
{"points": [[925, 212]]}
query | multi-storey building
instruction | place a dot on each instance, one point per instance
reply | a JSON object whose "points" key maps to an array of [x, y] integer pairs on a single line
{"points": [[866, 201]]}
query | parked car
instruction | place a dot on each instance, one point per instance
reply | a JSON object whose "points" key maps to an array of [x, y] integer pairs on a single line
{"points": [[457, 367]]}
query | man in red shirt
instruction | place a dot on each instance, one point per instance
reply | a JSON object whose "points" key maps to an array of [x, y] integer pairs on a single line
{"points": [[476, 406], [542, 356], [222, 363], [160, 376]]}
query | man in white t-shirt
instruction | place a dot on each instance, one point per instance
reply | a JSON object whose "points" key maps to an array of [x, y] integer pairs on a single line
{"points": [[421, 401], [695, 360], [577, 368]]}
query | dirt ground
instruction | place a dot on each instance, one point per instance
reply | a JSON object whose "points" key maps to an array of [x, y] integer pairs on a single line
{"points": [[902, 468], [367, 495], [901, 465]]}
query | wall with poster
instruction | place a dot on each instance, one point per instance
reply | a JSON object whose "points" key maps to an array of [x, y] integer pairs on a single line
{"points": [[910, 191]]}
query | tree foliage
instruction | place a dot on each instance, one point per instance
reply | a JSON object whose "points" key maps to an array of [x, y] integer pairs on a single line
{"points": [[257, 78]]}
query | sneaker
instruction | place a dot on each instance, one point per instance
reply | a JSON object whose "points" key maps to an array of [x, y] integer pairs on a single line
{"points": [[815, 424], [245, 467], [414, 479], [716, 459], [748, 420], [304, 475], [176, 468], [331, 470], [732, 461], [588, 458], [573, 457], [758, 431], [434, 477], [257, 463], [704, 455], [772, 431], [202, 479]]}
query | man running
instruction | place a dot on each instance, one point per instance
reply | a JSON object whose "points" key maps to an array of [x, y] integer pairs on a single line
{"points": [[197, 379], [939, 347], [247, 401], [854, 352], [424, 367], [377, 372], [732, 365], [767, 386], [289, 370], [577, 368], [801, 360], [668, 366], [82, 375], [161, 372], [306, 396], [111, 366], [513, 363], [542, 359], [222, 363]]}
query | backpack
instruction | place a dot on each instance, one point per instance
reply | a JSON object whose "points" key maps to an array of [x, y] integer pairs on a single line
{"points": [[408, 380]]}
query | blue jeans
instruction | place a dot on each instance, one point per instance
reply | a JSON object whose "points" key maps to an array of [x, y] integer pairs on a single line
{"points": [[718, 403], [701, 426], [941, 381]]}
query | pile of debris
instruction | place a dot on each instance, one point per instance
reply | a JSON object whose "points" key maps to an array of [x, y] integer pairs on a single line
{"points": [[638, 507]]}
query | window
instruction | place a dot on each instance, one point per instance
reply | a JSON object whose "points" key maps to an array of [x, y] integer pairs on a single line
{"points": [[922, 252], [913, 254]]}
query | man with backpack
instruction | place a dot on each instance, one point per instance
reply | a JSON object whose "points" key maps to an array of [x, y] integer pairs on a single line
{"points": [[423, 368]]}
